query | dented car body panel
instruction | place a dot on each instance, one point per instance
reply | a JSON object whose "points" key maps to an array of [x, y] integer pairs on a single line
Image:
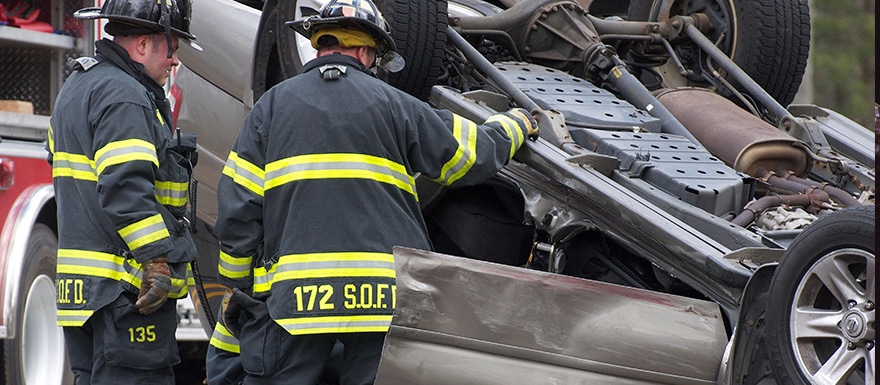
{"points": [[456, 317]]}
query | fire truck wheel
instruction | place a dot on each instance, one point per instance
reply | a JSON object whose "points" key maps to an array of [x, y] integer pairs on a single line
{"points": [[36, 354]]}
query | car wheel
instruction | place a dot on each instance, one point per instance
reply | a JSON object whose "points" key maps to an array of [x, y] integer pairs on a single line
{"points": [[417, 27], [768, 39], [820, 319], [36, 354]]}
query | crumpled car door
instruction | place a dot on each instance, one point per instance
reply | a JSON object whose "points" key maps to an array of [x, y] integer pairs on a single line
{"points": [[462, 321]]}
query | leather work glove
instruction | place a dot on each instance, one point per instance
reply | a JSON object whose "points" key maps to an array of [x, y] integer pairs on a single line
{"points": [[241, 304], [527, 119], [155, 285], [230, 310]]}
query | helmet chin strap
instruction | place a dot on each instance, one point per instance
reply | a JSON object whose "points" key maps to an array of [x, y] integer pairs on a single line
{"points": [[165, 20]]}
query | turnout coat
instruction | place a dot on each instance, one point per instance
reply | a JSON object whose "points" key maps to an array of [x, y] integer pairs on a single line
{"points": [[120, 186], [320, 185]]}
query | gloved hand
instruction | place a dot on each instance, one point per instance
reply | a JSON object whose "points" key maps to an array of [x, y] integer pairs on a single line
{"points": [[155, 285], [230, 310], [234, 303], [528, 120]]}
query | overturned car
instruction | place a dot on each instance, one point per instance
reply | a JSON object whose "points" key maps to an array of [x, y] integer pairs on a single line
{"points": [[677, 221]]}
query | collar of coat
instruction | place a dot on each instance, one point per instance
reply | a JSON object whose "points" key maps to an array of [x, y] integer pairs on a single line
{"points": [[336, 59], [109, 51]]}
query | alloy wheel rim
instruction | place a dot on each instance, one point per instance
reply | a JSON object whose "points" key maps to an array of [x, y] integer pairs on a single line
{"points": [[832, 319]]}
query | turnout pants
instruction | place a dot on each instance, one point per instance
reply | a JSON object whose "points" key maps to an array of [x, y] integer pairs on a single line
{"points": [[118, 345], [270, 355]]}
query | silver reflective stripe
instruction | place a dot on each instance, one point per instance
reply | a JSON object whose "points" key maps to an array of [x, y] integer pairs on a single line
{"points": [[94, 264], [73, 317], [336, 324], [222, 339], [98, 267], [465, 132], [323, 265], [171, 193], [511, 127], [144, 231], [125, 151], [328, 265], [73, 165], [244, 173], [338, 166], [67, 161], [234, 268]]}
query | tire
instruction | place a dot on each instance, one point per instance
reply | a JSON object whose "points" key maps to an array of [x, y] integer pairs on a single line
{"points": [[768, 39], [36, 355], [418, 29], [821, 305]]}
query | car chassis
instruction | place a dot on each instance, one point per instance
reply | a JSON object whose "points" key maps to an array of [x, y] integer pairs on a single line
{"points": [[700, 185]]}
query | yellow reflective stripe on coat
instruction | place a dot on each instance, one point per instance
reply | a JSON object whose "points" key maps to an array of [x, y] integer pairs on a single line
{"points": [[222, 339], [465, 132], [125, 151], [244, 173], [96, 264], [50, 138], [234, 267], [171, 193], [514, 131], [336, 324], [74, 166], [179, 286], [111, 266], [159, 116], [324, 265], [74, 318], [339, 166], [145, 231]]}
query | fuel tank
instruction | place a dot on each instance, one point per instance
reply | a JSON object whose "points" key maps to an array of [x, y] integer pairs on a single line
{"points": [[741, 140]]}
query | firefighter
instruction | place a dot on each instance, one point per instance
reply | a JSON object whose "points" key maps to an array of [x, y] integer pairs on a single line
{"points": [[318, 188], [121, 182]]}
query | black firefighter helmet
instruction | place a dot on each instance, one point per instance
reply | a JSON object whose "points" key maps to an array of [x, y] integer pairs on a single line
{"points": [[156, 16], [359, 15]]}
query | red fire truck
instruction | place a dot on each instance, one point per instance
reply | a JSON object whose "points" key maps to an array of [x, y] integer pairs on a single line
{"points": [[36, 39]]}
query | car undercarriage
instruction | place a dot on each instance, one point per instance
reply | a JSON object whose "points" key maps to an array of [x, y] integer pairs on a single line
{"points": [[670, 160]]}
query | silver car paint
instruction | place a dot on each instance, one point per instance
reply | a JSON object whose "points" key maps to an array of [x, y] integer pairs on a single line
{"points": [[459, 319]]}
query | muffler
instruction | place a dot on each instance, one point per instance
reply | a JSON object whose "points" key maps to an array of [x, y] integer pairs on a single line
{"points": [[741, 140]]}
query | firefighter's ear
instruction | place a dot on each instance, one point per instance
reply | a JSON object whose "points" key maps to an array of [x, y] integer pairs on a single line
{"points": [[143, 42]]}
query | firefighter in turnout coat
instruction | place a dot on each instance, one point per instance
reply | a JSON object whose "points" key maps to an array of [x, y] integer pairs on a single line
{"points": [[318, 188], [121, 182]]}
